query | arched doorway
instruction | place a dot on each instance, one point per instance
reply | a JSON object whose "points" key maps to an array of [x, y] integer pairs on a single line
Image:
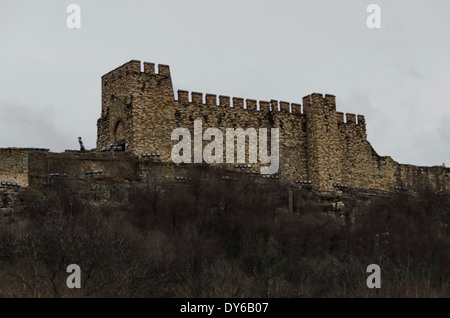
{"points": [[119, 133]]}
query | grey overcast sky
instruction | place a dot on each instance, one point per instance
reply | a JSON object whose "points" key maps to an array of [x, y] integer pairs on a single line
{"points": [[398, 76]]}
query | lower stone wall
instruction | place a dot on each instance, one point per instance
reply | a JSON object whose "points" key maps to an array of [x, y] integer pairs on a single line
{"points": [[14, 166], [362, 168], [75, 164], [34, 168], [436, 178]]}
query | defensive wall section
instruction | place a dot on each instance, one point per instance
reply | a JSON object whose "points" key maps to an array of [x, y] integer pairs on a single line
{"points": [[140, 110], [317, 143]]}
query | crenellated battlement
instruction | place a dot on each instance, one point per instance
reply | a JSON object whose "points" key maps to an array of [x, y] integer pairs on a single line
{"points": [[238, 102], [136, 67], [350, 119], [318, 102]]}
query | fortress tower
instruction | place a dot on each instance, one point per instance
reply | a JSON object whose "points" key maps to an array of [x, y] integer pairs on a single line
{"points": [[324, 158], [133, 107]]}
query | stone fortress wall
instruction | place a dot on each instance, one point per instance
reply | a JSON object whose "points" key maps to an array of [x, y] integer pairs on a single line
{"points": [[140, 111], [317, 143]]}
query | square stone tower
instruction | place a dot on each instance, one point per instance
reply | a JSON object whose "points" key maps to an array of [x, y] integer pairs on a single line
{"points": [[134, 101]]}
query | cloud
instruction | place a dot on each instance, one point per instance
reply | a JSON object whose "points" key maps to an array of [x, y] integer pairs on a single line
{"points": [[26, 126]]}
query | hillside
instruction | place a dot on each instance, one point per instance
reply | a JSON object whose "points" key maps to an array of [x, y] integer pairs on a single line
{"points": [[219, 237]]}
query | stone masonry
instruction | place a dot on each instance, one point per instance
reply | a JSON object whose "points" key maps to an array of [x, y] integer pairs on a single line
{"points": [[317, 143], [140, 111]]}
